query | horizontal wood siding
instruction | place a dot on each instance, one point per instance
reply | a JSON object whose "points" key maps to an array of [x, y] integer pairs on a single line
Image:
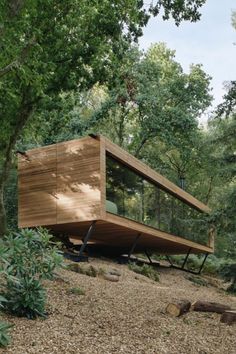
{"points": [[78, 180], [60, 183], [37, 187]]}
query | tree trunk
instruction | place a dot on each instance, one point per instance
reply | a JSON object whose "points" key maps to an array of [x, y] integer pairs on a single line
{"points": [[206, 306], [22, 118], [179, 308], [3, 219], [228, 317]]}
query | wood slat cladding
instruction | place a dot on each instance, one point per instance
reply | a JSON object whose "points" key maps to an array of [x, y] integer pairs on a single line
{"points": [[60, 183], [78, 180], [152, 175], [37, 187]]}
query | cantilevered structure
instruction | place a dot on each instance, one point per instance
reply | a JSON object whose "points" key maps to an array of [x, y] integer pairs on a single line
{"points": [[93, 190]]}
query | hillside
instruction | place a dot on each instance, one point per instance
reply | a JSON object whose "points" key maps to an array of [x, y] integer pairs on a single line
{"points": [[124, 317]]}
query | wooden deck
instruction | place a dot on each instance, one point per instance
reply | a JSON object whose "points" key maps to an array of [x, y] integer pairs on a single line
{"points": [[120, 234]]}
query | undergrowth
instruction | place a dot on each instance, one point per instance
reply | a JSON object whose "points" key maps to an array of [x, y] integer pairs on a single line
{"points": [[77, 291], [145, 270], [26, 258], [4, 334]]}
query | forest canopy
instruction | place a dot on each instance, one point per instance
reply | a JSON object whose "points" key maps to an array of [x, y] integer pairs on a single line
{"points": [[74, 67]]}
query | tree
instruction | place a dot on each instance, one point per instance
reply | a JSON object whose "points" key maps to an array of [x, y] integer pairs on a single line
{"points": [[52, 46], [223, 130], [154, 101]]}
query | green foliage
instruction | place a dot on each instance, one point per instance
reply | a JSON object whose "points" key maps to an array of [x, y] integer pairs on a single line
{"points": [[26, 297], [77, 291], [2, 299], [146, 270], [4, 334], [228, 272], [194, 262], [152, 98], [11, 200], [197, 280], [89, 270], [50, 48], [26, 258]]}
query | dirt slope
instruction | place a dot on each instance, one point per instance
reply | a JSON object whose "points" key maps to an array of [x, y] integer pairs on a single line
{"points": [[124, 317]]}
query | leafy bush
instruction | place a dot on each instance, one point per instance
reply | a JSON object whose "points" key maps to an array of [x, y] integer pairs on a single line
{"points": [[26, 298], [194, 262], [4, 334], [26, 258], [145, 270], [89, 270], [77, 291], [228, 272], [197, 280]]}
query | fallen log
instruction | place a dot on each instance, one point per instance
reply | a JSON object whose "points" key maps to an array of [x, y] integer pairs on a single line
{"points": [[206, 306], [179, 308], [228, 317]]}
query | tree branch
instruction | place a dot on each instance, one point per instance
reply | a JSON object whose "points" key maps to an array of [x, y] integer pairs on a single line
{"points": [[20, 60]]}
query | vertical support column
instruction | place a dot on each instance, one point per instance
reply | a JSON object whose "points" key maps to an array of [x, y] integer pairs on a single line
{"points": [[134, 245], [186, 258], [204, 260], [211, 236], [86, 239], [148, 256]]}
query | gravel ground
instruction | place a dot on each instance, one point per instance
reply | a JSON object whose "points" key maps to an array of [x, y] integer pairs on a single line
{"points": [[123, 317]]}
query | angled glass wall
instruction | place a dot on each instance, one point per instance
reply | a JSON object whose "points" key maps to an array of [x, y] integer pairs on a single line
{"points": [[130, 195]]}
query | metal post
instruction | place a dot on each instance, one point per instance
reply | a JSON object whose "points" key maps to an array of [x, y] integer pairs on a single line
{"points": [[186, 258], [86, 239], [205, 258], [134, 245], [169, 260], [148, 256]]}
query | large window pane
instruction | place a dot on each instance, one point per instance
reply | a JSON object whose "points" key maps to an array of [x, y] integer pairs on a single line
{"points": [[132, 196]]}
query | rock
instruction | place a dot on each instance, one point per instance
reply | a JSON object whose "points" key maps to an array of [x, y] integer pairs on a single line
{"points": [[114, 272], [110, 277]]}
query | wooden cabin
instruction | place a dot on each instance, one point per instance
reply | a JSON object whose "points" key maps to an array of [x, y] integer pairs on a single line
{"points": [[92, 184]]}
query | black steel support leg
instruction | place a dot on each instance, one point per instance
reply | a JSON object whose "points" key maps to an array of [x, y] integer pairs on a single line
{"points": [[169, 260], [202, 265], [148, 256], [85, 240], [134, 245], [184, 263], [186, 258]]}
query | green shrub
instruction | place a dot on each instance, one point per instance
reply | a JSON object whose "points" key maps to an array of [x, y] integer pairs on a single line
{"points": [[145, 270], [197, 280], [77, 291], [4, 334], [194, 262], [26, 258], [228, 272], [86, 270], [26, 297], [2, 301]]}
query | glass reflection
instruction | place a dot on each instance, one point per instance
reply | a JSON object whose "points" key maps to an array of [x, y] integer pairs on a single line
{"points": [[132, 196]]}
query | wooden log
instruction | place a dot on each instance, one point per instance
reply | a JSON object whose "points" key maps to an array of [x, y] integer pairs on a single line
{"points": [[178, 308], [228, 317], [206, 306]]}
